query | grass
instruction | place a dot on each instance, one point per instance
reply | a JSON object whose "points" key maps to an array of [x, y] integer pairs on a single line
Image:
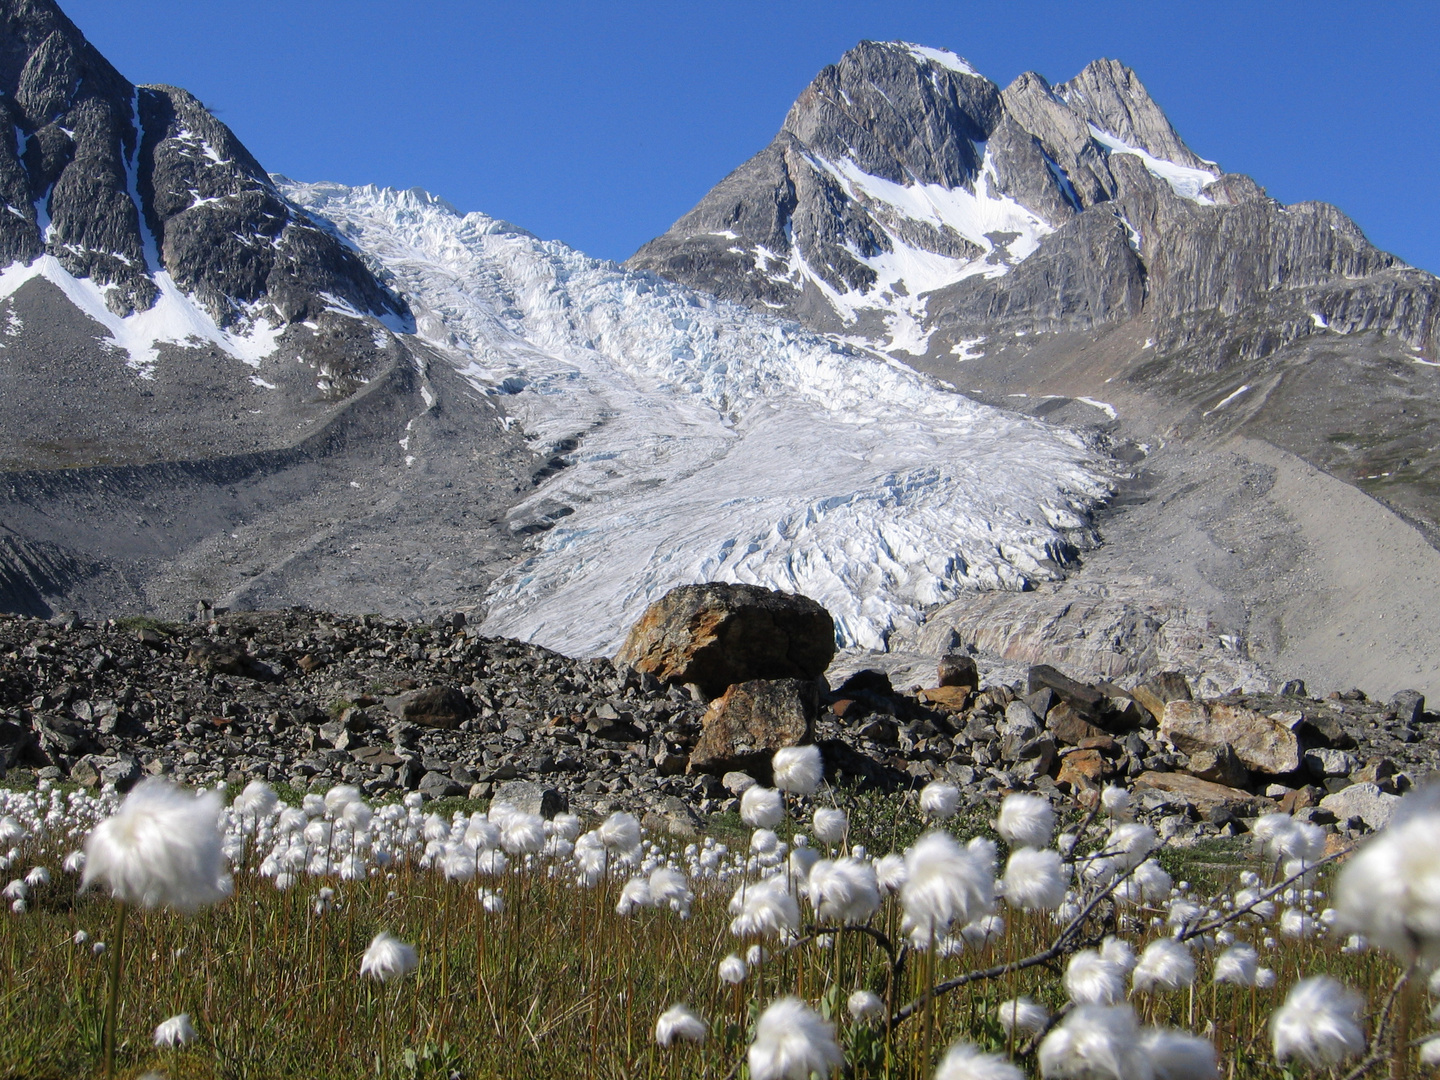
{"points": [[557, 984]]}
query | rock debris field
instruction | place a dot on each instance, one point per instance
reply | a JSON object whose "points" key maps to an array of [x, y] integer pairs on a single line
{"points": [[314, 700]]}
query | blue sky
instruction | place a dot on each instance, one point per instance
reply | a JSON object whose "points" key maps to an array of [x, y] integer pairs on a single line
{"points": [[600, 123]]}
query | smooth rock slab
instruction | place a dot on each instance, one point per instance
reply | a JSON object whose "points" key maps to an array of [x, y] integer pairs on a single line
{"points": [[1364, 801], [530, 797], [1202, 794], [1262, 744], [434, 706]]}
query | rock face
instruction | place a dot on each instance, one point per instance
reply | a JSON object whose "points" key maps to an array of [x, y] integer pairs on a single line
{"points": [[719, 634], [435, 706], [744, 727], [1259, 742]]}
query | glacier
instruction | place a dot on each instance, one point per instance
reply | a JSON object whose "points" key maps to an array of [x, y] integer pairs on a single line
{"points": [[704, 442]]}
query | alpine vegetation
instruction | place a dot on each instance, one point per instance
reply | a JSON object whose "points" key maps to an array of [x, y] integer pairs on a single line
{"points": [[879, 938]]}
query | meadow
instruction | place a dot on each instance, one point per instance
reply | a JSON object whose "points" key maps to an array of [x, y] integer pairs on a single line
{"points": [[527, 948]]}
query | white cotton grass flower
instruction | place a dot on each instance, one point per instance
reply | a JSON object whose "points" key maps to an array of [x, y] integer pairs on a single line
{"points": [[732, 970], [1319, 1023], [791, 1042], [339, 796], [1117, 951], [81, 937], [620, 831], [38, 878], [1026, 821], [16, 890], [1430, 1052], [890, 872], [634, 895], [1237, 966], [1166, 964], [1035, 880], [388, 958], [492, 902], [678, 1023], [524, 834], [669, 889], [982, 931], [830, 825], [844, 890], [74, 863], [1178, 1055], [1154, 883], [764, 909], [966, 1061], [257, 800], [761, 807], [1092, 980], [161, 848], [1131, 843], [175, 1032], [764, 842], [798, 769], [865, 1007], [1390, 890], [802, 861], [756, 954], [946, 885], [1294, 923], [1095, 1042], [1115, 800], [939, 801], [1264, 978], [1022, 1014]]}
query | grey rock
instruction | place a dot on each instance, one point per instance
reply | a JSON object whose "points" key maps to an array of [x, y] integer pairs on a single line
{"points": [[1324, 761], [737, 783], [438, 785], [1364, 801], [532, 798], [1409, 706]]}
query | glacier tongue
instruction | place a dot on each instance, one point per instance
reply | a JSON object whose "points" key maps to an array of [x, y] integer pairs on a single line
{"points": [[705, 442]]}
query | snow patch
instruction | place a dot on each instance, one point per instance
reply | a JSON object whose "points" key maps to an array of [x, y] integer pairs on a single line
{"points": [[1225, 401], [969, 348], [1103, 406], [1186, 182], [943, 57]]}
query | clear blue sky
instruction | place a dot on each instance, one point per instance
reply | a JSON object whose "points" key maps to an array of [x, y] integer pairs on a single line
{"points": [[600, 123]]}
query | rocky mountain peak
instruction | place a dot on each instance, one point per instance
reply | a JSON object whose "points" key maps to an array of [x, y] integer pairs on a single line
{"points": [[1110, 96]]}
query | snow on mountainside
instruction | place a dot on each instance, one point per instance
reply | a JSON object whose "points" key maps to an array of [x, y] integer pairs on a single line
{"points": [[695, 440]]}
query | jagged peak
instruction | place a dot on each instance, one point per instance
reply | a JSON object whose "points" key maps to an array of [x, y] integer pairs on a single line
{"points": [[1110, 95]]}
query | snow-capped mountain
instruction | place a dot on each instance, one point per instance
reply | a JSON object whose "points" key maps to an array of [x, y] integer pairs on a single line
{"points": [[911, 202], [692, 440]]}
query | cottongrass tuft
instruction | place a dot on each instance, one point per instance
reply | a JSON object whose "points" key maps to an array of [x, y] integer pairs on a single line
{"points": [[966, 1061], [761, 807], [865, 1006], [679, 1023], [1390, 890], [1319, 1023], [830, 825], [1115, 800], [1022, 1014], [945, 885], [732, 970], [1178, 1055], [764, 909], [1165, 964], [798, 769], [1095, 1042], [1026, 821], [844, 890], [1092, 980], [388, 958], [1035, 880], [161, 848], [791, 1042], [1237, 966], [939, 801], [175, 1032]]}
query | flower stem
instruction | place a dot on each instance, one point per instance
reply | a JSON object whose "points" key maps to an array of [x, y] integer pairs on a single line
{"points": [[112, 1001]]}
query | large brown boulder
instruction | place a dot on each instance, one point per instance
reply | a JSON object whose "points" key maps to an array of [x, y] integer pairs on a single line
{"points": [[715, 635], [1262, 744], [433, 706], [744, 726]]}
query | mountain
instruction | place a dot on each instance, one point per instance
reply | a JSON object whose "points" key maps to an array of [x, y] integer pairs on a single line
{"points": [[1060, 250]]}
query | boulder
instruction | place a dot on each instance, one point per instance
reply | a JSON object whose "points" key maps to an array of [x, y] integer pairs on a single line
{"points": [[959, 669], [439, 785], [1204, 795], [217, 658], [1085, 700], [744, 727], [1323, 762], [717, 635], [672, 815], [1219, 766], [1155, 693], [1068, 726], [949, 698], [1082, 770], [1409, 706], [531, 797], [1364, 801], [1262, 744], [433, 706]]}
